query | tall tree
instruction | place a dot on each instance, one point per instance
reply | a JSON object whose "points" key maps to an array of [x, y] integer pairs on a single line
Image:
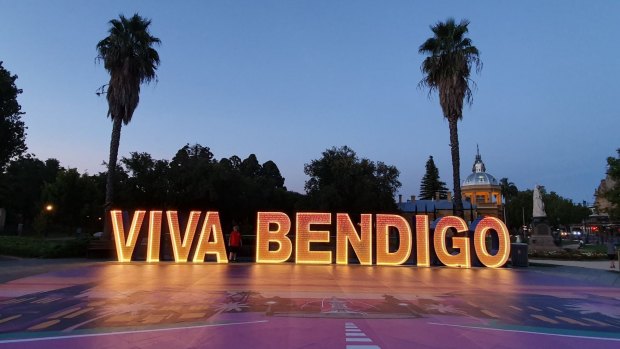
{"points": [[341, 182], [147, 184], [560, 211], [74, 198], [519, 209], [509, 189], [431, 184], [191, 170], [22, 184], [447, 67], [12, 129], [130, 59], [612, 194]]}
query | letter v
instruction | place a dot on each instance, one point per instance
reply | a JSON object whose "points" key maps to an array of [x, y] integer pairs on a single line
{"points": [[124, 248], [181, 250]]}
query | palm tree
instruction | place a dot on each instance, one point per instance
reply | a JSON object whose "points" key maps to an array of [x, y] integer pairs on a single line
{"points": [[130, 59], [451, 57], [509, 189]]}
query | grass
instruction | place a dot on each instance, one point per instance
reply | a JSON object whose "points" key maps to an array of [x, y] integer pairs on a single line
{"points": [[18, 246]]}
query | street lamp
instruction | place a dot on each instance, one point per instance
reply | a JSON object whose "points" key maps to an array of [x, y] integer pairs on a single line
{"points": [[48, 209]]}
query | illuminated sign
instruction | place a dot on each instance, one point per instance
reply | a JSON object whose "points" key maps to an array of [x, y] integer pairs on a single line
{"points": [[392, 241]]}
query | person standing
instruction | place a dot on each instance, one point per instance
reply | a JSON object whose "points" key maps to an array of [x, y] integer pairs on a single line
{"points": [[611, 251], [234, 244]]}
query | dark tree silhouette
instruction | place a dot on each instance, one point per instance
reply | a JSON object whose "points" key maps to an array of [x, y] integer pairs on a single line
{"points": [[12, 129], [431, 184], [130, 59], [447, 67]]}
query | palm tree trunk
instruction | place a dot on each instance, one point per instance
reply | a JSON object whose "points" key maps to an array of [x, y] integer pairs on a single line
{"points": [[456, 165], [115, 141]]}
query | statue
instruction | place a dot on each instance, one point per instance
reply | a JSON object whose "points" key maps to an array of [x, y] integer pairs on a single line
{"points": [[539, 205], [541, 232]]}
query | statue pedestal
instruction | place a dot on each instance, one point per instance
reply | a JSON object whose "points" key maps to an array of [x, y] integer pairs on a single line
{"points": [[541, 238], [543, 243]]}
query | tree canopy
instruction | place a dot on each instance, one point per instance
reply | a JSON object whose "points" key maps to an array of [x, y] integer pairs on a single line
{"points": [[12, 128], [612, 194], [560, 211], [509, 189], [195, 179], [22, 184], [340, 181], [130, 59], [192, 180]]}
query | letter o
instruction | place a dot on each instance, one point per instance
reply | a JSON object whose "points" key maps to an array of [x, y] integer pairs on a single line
{"points": [[482, 229]]}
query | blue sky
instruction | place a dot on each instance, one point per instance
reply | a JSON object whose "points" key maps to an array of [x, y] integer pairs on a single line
{"points": [[288, 79]]}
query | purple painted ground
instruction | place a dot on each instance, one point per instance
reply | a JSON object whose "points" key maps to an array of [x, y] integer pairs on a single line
{"points": [[112, 305]]}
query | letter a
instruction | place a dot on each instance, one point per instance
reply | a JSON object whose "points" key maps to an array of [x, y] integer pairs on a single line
{"points": [[181, 248], [216, 247]]}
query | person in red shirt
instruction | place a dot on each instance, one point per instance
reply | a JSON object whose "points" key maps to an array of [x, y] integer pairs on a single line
{"points": [[234, 244]]}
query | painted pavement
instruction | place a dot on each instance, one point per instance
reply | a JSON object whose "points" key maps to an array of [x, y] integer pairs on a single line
{"points": [[140, 305]]}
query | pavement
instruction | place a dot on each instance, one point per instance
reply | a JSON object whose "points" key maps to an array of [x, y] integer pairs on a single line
{"points": [[597, 265], [14, 267], [103, 304]]}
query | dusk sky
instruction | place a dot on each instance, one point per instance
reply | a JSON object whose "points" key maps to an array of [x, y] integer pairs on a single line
{"points": [[286, 80]]}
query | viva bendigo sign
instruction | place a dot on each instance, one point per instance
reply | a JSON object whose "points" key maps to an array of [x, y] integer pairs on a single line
{"points": [[276, 244]]}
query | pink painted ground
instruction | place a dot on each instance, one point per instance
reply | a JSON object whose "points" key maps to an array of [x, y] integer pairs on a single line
{"points": [[141, 305]]}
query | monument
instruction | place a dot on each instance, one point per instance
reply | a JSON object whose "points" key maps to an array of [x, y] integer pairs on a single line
{"points": [[541, 238]]}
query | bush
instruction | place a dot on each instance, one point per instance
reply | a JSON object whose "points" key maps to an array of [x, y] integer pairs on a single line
{"points": [[41, 248], [576, 255]]}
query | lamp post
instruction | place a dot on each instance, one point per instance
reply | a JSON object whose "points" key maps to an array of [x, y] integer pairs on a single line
{"points": [[49, 208]]}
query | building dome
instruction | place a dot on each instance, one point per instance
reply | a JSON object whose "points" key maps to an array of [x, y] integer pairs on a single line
{"points": [[481, 178], [479, 175], [482, 189]]}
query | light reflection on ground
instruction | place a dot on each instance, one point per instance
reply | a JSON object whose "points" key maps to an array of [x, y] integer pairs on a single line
{"points": [[292, 306]]}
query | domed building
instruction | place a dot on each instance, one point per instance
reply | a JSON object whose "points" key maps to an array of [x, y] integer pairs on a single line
{"points": [[482, 189], [481, 194]]}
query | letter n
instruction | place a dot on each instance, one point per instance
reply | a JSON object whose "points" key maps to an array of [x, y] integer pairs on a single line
{"points": [[346, 233]]}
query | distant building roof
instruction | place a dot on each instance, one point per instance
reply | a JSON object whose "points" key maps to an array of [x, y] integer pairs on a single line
{"points": [[430, 205]]}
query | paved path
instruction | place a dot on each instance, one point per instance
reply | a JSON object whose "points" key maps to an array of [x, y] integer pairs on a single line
{"points": [[140, 305], [599, 264], [12, 268]]}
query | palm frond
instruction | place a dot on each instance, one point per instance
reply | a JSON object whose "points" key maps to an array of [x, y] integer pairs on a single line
{"points": [[447, 67], [130, 59]]}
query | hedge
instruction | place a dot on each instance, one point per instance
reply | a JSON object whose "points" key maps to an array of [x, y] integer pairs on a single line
{"points": [[40, 248]]}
